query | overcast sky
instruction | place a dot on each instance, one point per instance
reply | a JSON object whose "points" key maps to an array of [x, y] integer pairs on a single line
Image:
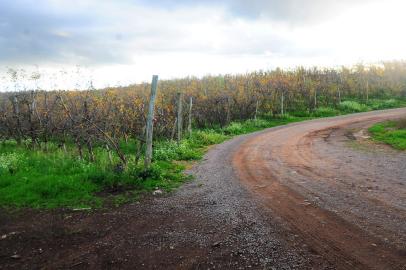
{"points": [[120, 42]]}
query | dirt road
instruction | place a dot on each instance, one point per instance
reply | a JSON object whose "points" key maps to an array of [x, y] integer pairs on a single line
{"points": [[311, 195], [348, 206]]}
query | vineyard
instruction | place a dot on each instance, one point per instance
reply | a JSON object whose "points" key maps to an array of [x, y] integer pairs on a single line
{"points": [[73, 148]]}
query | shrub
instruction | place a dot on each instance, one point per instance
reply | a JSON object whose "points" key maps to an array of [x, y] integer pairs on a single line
{"points": [[235, 128], [325, 112], [383, 104], [301, 114], [171, 150], [207, 137], [165, 150], [9, 162], [352, 106]]}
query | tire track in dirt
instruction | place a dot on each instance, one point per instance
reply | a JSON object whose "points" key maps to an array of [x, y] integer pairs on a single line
{"points": [[265, 163]]}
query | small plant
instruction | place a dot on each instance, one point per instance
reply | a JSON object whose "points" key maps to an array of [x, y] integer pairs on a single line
{"points": [[9, 162]]}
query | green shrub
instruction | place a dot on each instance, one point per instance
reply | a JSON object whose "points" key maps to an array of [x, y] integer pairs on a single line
{"points": [[10, 162], [377, 104], [171, 150], [235, 128], [352, 106], [301, 114], [161, 174], [207, 137], [325, 112]]}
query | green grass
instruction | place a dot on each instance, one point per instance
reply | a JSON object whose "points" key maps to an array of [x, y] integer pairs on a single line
{"points": [[54, 178], [390, 132], [51, 179]]}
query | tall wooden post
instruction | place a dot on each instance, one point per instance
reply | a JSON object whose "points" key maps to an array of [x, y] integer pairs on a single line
{"points": [[150, 122], [315, 99], [189, 125], [338, 87], [228, 116], [16, 111], [256, 109], [282, 101], [180, 118], [367, 88]]}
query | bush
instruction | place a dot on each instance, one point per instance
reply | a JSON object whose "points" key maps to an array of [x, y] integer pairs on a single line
{"points": [[161, 174], [352, 106], [383, 104], [207, 137], [235, 128], [301, 114], [10, 162], [171, 150], [325, 112]]}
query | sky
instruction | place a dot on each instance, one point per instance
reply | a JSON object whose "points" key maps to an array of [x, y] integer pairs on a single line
{"points": [[109, 43]]}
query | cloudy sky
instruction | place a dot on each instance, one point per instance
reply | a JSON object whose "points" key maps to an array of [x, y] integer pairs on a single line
{"points": [[126, 41]]}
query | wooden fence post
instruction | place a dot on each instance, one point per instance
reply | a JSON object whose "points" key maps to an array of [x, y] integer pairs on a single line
{"points": [[189, 126], [150, 122], [175, 125], [180, 116], [282, 101], [228, 112], [256, 109]]}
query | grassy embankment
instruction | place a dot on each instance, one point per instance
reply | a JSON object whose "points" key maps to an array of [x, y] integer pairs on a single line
{"points": [[390, 132], [57, 178]]}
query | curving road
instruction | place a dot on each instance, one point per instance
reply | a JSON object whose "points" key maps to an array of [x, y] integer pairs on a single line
{"points": [[343, 196]]}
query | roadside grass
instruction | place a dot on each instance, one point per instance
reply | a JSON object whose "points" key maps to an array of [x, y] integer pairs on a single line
{"points": [[55, 178], [390, 132]]}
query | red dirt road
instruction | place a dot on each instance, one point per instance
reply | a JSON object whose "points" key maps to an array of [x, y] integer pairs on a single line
{"points": [[302, 173]]}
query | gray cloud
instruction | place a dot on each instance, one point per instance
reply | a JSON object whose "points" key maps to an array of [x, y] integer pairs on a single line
{"points": [[290, 11], [31, 32], [293, 11], [102, 31]]}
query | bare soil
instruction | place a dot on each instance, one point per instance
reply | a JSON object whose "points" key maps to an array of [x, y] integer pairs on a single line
{"points": [[311, 195]]}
